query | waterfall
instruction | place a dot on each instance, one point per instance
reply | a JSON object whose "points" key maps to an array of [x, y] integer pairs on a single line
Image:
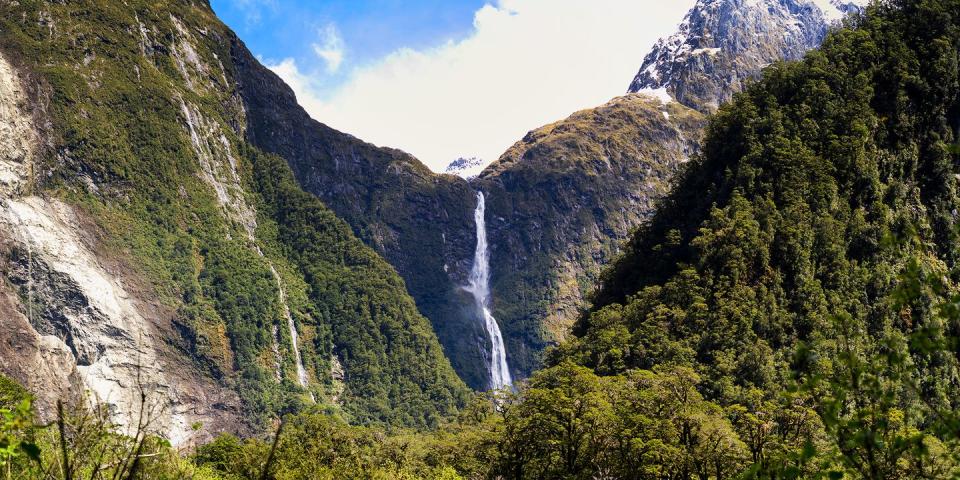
{"points": [[277, 358], [294, 337], [479, 288]]}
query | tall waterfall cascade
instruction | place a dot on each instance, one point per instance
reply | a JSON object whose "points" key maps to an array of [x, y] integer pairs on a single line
{"points": [[479, 288]]}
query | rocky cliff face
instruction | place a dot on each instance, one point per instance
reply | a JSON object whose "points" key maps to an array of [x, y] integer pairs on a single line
{"points": [[721, 44], [145, 246], [72, 323]]}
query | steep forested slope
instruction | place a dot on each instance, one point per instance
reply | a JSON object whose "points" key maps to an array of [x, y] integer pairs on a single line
{"points": [[421, 222], [145, 236], [814, 191]]}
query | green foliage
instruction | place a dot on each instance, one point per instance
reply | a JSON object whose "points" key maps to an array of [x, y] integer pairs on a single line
{"points": [[779, 269], [82, 444], [11, 393], [397, 371], [14, 442], [318, 446], [569, 423]]}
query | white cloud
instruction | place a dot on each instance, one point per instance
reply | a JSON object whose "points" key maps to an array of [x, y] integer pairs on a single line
{"points": [[527, 63], [302, 85], [330, 48]]}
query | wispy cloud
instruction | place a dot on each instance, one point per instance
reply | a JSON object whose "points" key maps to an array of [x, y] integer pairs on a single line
{"points": [[527, 63], [330, 47], [253, 9]]}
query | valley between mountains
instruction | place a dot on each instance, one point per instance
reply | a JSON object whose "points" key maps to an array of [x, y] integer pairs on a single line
{"points": [[744, 267]]}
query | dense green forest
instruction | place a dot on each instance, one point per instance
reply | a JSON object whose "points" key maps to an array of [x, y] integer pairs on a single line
{"points": [[790, 312]]}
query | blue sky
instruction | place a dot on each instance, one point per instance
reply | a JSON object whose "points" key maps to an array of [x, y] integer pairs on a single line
{"points": [[443, 79], [367, 29]]}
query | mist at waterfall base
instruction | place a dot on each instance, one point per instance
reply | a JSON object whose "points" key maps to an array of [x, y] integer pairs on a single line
{"points": [[479, 288]]}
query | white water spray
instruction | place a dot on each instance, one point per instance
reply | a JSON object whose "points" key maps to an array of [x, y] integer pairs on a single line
{"points": [[479, 287]]}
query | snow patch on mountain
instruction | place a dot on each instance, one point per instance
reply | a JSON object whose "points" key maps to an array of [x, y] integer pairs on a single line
{"points": [[835, 10], [659, 93], [466, 167]]}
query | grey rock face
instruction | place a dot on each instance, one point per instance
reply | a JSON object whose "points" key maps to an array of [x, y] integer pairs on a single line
{"points": [[72, 325], [722, 44]]}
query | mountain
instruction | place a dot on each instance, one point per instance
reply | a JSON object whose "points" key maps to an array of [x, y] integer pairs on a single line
{"points": [[788, 311], [172, 244], [723, 44], [147, 246], [815, 190], [801, 277], [565, 198], [560, 202], [465, 167]]}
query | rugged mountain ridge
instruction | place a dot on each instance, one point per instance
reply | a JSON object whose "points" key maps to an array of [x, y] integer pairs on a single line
{"points": [[144, 242], [560, 201], [722, 44]]}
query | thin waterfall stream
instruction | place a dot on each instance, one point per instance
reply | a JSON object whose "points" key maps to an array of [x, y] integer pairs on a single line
{"points": [[479, 288], [302, 378]]}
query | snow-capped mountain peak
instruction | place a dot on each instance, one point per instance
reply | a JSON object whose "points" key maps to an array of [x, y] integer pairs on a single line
{"points": [[722, 43], [466, 167]]}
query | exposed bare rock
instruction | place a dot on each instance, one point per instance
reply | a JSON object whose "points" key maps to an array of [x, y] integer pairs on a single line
{"points": [[43, 364], [79, 320], [18, 139]]}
